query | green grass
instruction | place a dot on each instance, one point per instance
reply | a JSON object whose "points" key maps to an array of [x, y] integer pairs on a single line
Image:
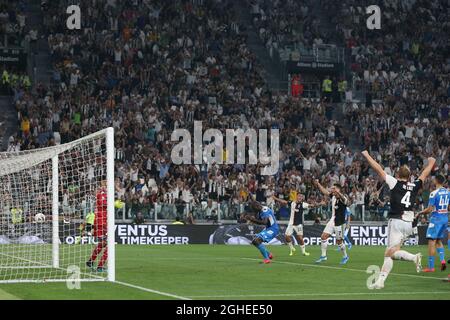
{"points": [[235, 272]]}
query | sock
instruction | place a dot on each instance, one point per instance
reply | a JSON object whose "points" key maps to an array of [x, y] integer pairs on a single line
{"points": [[291, 246], [324, 246], [344, 252], [386, 268], [441, 253], [263, 251], [403, 255], [302, 247], [431, 262], [96, 251], [104, 258]]}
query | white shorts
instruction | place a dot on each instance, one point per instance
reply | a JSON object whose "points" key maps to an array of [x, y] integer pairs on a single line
{"points": [[298, 229], [338, 232], [398, 231]]}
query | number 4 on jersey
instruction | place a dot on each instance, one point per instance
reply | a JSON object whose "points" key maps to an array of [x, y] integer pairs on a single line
{"points": [[406, 199], [443, 203]]}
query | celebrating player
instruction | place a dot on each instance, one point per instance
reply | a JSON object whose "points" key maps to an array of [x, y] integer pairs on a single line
{"points": [[339, 203], [295, 222], [265, 217], [100, 229], [438, 207], [402, 198]]}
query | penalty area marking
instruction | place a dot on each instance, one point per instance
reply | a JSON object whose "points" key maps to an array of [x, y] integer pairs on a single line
{"points": [[303, 294], [343, 268], [151, 290], [118, 282]]}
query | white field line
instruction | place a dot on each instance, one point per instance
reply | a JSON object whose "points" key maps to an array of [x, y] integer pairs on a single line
{"points": [[272, 295], [281, 295], [42, 264], [294, 263], [302, 294], [345, 269], [151, 290], [99, 278], [48, 266]]}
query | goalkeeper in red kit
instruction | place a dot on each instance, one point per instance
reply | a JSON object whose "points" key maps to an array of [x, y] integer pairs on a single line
{"points": [[100, 230]]}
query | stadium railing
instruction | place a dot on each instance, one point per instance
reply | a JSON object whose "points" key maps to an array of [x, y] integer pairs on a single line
{"points": [[229, 211]]}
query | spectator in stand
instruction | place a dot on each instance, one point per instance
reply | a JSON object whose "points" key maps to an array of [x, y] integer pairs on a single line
{"points": [[139, 218]]}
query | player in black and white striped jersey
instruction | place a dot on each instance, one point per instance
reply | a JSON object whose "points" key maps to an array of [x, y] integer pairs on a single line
{"points": [[336, 224], [296, 219], [401, 215]]}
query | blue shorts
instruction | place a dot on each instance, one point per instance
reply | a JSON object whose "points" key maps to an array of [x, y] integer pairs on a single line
{"points": [[436, 230], [268, 235]]}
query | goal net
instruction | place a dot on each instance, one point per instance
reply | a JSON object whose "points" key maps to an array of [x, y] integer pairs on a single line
{"points": [[56, 210]]}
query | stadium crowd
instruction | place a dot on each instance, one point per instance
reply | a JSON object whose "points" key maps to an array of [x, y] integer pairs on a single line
{"points": [[149, 67], [12, 22], [13, 33], [281, 23]]}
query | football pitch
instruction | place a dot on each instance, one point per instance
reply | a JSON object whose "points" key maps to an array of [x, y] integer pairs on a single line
{"points": [[202, 272]]}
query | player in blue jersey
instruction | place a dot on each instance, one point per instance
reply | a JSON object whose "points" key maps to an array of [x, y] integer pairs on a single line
{"points": [[264, 216], [348, 218], [438, 207]]}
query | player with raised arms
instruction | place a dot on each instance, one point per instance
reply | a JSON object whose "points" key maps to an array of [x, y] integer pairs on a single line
{"points": [[264, 216], [100, 229], [295, 224], [438, 207], [336, 225], [401, 215]]}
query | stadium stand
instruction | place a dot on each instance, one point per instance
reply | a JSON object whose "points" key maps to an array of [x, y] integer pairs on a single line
{"points": [[147, 68]]}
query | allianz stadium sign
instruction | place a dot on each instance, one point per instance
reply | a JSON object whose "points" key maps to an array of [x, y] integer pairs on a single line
{"points": [[13, 57], [313, 66]]}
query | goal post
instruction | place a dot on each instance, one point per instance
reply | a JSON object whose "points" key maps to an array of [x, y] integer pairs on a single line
{"points": [[55, 213], [48, 210], [110, 198]]}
